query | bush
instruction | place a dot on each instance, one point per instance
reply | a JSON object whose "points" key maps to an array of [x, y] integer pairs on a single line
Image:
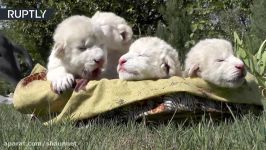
{"points": [[256, 63]]}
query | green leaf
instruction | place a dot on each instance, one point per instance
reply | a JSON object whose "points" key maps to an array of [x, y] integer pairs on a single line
{"points": [[263, 64], [242, 53], [237, 39], [261, 50]]}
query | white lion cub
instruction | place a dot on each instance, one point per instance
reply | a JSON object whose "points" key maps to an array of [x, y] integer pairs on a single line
{"points": [[149, 58], [77, 53], [117, 36], [213, 60]]}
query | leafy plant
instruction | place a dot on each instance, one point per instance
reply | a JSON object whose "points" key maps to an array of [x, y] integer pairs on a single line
{"points": [[256, 63], [176, 31]]}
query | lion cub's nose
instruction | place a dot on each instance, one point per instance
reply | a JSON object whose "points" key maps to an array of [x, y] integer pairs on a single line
{"points": [[240, 66], [122, 61]]}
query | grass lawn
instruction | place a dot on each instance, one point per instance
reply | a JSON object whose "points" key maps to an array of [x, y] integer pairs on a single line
{"points": [[249, 132]]}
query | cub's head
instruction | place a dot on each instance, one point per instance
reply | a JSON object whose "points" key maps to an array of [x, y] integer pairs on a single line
{"points": [[116, 33], [149, 58], [214, 61], [77, 44]]}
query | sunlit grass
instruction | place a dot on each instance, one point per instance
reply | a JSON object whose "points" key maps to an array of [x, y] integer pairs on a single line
{"points": [[247, 132]]}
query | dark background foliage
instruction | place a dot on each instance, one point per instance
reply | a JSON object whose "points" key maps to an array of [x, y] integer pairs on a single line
{"points": [[186, 20]]}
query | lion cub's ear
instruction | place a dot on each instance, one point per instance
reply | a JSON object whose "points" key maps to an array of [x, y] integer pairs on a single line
{"points": [[59, 49], [125, 32], [170, 66], [193, 70]]}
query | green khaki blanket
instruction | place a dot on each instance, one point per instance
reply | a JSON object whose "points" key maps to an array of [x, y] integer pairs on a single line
{"points": [[175, 97]]}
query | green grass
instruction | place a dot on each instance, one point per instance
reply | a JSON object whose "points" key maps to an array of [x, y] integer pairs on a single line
{"points": [[248, 132]]}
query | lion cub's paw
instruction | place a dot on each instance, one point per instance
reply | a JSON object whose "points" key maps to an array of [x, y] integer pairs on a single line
{"points": [[63, 83]]}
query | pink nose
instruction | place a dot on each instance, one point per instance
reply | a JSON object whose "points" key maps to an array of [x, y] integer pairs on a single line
{"points": [[122, 61], [240, 66]]}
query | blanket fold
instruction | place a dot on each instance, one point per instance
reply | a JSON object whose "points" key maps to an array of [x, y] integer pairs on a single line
{"points": [[134, 98]]}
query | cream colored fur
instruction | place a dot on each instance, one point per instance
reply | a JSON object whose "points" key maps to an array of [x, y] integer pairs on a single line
{"points": [[77, 53], [214, 61], [149, 58], [117, 36]]}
